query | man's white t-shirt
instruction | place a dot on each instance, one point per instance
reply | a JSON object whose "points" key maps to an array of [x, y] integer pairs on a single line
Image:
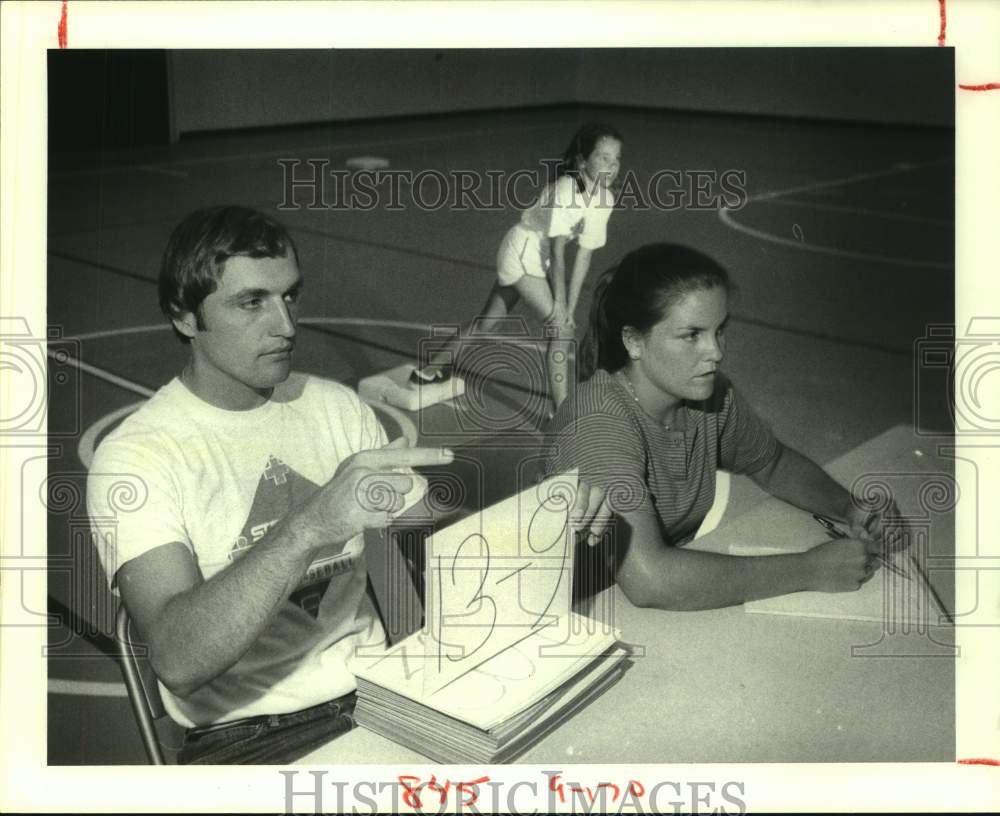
{"points": [[217, 481]]}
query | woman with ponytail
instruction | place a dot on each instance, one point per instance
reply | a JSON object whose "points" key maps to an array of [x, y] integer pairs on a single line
{"points": [[654, 419]]}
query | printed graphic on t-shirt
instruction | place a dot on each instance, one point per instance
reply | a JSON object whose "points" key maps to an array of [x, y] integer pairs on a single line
{"points": [[279, 489]]}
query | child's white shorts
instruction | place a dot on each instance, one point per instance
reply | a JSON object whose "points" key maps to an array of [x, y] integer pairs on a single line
{"points": [[522, 252]]}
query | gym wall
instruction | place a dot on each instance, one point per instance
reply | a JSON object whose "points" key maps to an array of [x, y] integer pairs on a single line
{"points": [[224, 90]]}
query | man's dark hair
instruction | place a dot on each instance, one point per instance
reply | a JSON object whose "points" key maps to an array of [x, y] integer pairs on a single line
{"points": [[201, 244]]}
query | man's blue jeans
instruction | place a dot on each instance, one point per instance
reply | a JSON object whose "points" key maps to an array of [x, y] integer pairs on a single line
{"points": [[275, 739]]}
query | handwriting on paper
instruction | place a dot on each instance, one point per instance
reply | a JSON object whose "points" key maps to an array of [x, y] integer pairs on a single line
{"points": [[942, 33], [498, 577], [61, 29], [478, 792], [466, 793], [633, 788]]}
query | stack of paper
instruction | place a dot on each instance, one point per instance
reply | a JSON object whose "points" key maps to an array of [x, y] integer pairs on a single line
{"points": [[497, 710], [501, 658]]}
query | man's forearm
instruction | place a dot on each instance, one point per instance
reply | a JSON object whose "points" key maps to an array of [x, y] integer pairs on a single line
{"points": [[166, 595], [205, 630]]}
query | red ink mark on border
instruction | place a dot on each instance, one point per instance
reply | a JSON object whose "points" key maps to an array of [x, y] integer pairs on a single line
{"points": [[979, 761], [62, 25], [986, 86]]}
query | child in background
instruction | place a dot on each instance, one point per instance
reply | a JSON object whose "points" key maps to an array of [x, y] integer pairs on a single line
{"points": [[531, 262]]}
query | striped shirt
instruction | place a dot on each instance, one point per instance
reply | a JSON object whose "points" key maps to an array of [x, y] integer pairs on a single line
{"points": [[645, 467]]}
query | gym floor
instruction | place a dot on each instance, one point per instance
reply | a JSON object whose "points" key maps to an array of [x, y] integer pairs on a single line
{"points": [[843, 257]]}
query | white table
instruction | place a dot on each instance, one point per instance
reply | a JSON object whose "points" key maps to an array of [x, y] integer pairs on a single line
{"points": [[729, 686]]}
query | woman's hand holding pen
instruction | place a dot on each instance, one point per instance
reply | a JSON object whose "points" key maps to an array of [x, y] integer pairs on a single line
{"points": [[841, 564], [859, 529], [884, 526]]}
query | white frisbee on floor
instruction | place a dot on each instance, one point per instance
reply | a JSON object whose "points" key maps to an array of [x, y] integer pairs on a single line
{"points": [[366, 163]]}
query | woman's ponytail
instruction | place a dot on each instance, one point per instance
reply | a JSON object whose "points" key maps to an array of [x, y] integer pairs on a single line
{"points": [[638, 293]]}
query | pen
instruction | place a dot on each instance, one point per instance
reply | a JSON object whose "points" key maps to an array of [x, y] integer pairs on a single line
{"points": [[834, 532], [930, 587], [829, 526]]}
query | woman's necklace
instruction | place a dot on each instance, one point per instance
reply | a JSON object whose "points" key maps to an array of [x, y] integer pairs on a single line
{"points": [[631, 390]]}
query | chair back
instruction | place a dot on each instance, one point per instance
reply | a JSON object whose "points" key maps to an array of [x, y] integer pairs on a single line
{"points": [[143, 693]]}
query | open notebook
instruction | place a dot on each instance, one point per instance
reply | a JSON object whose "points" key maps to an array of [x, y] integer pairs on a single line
{"points": [[893, 599], [501, 659], [898, 601]]}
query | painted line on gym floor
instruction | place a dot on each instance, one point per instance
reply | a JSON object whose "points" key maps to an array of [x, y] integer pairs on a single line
{"points": [[416, 253], [99, 265], [726, 216], [425, 328], [328, 147], [728, 220], [866, 344], [817, 205], [102, 333], [478, 266], [88, 440], [86, 688], [161, 171], [101, 373], [853, 179]]}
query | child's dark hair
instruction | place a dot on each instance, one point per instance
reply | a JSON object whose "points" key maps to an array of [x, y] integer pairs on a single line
{"points": [[638, 293], [201, 244], [582, 144]]}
